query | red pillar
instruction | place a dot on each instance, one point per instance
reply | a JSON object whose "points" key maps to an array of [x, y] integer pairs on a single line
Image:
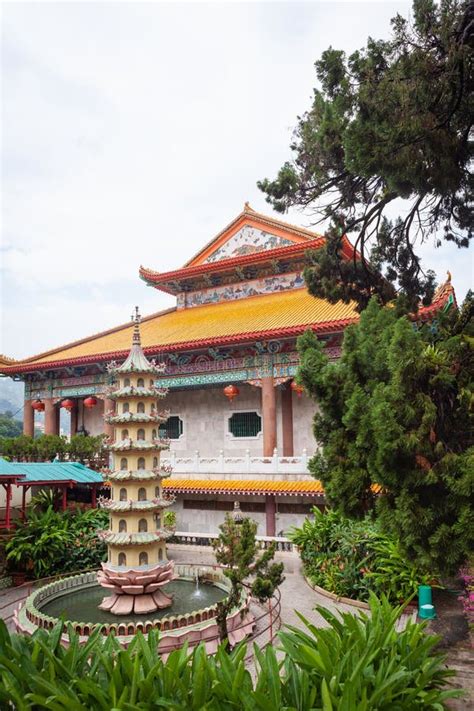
{"points": [[64, 499], [287, 421], [269, 416], [28, 419], [270, 514], [8, 493], [94, 496], [23, 502], [51, 417], [109, 429]]}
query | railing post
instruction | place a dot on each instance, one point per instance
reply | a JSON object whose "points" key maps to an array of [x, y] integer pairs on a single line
{"points": [[173, 457], [196, 461], [275, 460], [221, 460], [247, 460], [304, 460]]}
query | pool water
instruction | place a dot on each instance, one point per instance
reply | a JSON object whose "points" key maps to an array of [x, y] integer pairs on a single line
{"points": [[82, 605]]}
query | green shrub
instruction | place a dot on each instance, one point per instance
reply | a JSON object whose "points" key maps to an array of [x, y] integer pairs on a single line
{"points": [[354, 663], [352, 557], [51, 543]]}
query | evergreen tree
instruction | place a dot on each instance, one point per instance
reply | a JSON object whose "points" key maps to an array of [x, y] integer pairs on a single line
{"points": [[390, 121], [236, 549], [395, 413]]}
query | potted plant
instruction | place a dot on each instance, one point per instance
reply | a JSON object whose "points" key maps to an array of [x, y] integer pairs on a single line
{"points": [[169, 520]]}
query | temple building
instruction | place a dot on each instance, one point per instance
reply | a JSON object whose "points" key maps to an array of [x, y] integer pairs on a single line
{"points": [[238, 425]]}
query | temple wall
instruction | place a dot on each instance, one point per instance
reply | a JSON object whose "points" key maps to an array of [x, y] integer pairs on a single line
{"points": [[208, 521], [205, 414], [304, 409], [93, 420]]}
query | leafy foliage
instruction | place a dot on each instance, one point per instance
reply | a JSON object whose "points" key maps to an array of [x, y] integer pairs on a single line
{"points": [[9, 427], [354, 557], [396, 411], [236, 549], [50, 543], [356, 662], [48, 447], [391, 121]]}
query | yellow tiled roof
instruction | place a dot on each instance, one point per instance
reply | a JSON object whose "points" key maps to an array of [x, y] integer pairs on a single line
{"points": [[244, 486], [213, 323]]}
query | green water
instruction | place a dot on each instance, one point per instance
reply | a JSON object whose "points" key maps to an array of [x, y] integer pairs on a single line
{"points": [[82, 605]]}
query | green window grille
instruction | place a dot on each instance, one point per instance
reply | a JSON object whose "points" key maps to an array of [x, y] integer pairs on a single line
{"points": [[245, 424], [172, 428]]}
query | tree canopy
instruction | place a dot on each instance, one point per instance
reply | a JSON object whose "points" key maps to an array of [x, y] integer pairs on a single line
{"points": [[396, 412], [392, 120]]}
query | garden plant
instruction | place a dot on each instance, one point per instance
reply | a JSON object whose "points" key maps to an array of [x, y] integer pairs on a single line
{"points": [[355, 663], [353, 557]]}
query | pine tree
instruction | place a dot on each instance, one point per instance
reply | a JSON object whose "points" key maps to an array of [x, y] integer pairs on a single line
{"points": [[236, 549], [396, 413], [391, 122]]}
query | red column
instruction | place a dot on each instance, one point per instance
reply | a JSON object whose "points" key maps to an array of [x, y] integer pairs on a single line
{"points": [[270, 514], [74, 419], [269, 416], [28, 419], [108, 429], [51, 417], [94, 496], [23, 502], [8, 494], [64, 499], [287, 421]]}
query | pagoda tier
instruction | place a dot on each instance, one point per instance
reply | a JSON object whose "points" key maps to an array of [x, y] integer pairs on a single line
{"points": [[137, 566]]}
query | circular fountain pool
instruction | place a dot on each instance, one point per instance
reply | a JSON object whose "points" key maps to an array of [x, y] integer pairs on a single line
{"points": [[192, 617], [82, 605]]}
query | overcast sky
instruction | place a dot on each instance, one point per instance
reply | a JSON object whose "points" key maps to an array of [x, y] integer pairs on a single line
{"points": [[132, 133]]}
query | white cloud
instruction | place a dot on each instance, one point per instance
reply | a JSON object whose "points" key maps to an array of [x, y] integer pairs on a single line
{"points": [[133, 132]]}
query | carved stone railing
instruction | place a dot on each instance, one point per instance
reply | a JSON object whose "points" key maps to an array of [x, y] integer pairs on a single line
{"points": [[246, 466], [206, 539]]}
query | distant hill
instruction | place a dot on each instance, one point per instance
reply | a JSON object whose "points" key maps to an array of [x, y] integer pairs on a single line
{"points": [[11, 397]]}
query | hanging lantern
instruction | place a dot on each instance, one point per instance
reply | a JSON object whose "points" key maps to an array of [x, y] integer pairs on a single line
{"points": [[38, 405], [298, 389], [67, 404], [231, 391], [90, 402]]}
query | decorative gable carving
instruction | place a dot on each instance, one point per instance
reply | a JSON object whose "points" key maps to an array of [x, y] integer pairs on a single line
{"points": [[248, 240]]}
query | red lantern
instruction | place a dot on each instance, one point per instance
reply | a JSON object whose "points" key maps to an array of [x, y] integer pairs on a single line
{"points": [[38, 405], [67, 404], [90, 401], [298, 389], [231, 391]]}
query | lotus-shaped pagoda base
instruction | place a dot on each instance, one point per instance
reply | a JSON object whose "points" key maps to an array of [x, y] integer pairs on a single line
{"points": [[135, 590]]}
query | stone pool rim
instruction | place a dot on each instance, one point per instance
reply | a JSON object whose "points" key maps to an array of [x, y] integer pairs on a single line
{"points": [[40, 620]]}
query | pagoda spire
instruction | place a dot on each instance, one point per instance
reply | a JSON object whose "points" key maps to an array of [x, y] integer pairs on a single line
{"points": [[137, 319]]}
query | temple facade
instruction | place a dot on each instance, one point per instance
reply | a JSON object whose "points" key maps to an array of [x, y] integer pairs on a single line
{"points": [[239, 426]]}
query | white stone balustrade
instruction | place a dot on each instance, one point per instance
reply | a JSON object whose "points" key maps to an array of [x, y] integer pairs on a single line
{"points": [[247, 466]]}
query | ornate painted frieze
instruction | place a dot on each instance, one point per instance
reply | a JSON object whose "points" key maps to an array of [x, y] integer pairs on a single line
{"points": [[242, 290], [248, 240]]}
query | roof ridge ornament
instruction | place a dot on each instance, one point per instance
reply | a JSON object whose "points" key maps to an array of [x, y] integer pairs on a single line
{"points": [[247, 207]]}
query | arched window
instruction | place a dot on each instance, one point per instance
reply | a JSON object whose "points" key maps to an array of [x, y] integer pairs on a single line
{"points": [[123, 494], [141, 463], [157, 492], [151, 383], [141, 407], [155, 462], [158, 522], [140, 383], [153, 434], [122, 559], [122, 526], [142, 525], [143, 558], [126, 383], [160, 554], [142, 494], [141, 434], [124, 434], [124, 464], [125, 407]]}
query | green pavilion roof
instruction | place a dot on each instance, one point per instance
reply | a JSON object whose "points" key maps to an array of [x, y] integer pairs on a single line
{"points": [[49, 472]]}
